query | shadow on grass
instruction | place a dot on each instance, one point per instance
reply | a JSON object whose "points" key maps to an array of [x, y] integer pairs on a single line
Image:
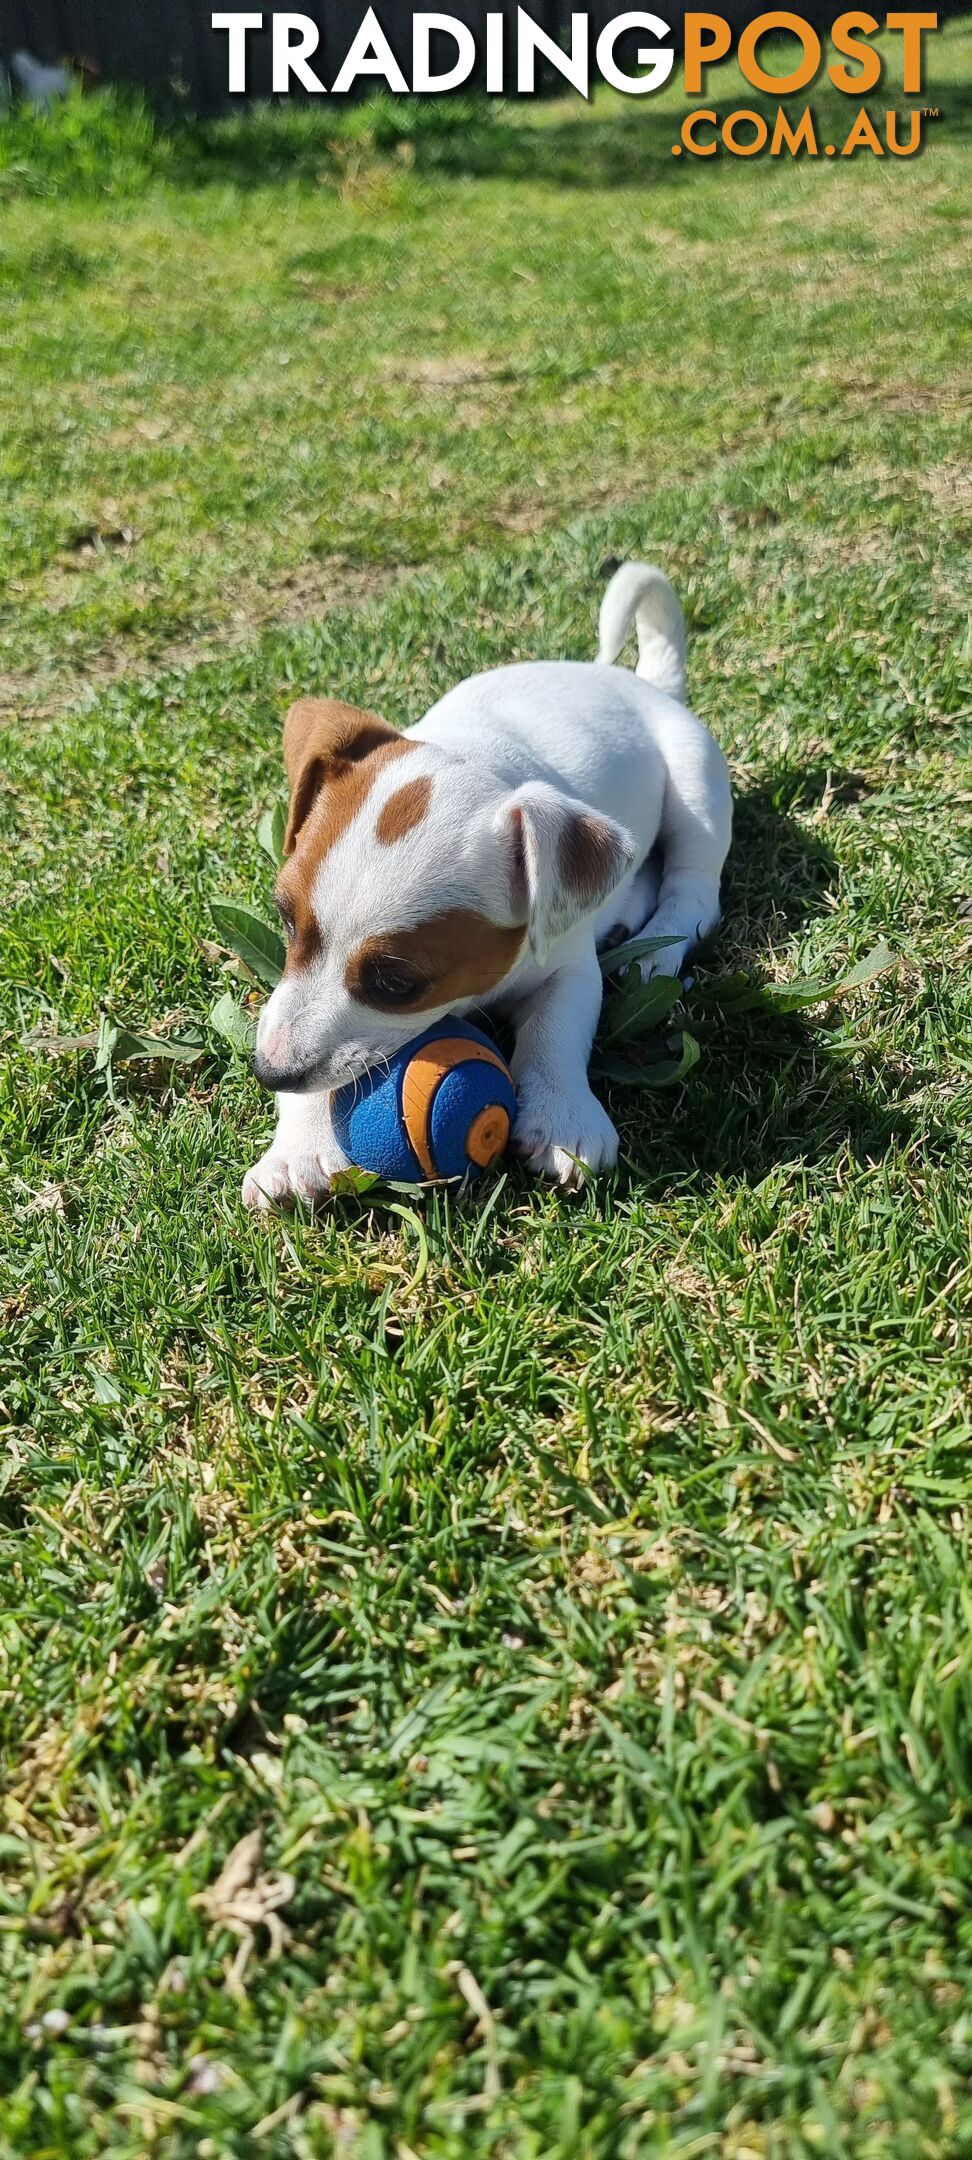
{"points": [[770, 1087], [770, 1090], [778, 874]]}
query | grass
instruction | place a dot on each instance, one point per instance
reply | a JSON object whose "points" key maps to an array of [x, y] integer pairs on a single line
{"points": [[581, 1619]]}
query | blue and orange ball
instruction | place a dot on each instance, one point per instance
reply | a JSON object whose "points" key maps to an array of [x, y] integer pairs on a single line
{"points": [[442, 1108]]}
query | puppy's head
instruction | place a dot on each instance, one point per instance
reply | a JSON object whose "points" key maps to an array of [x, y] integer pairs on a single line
{"points": [[414, 884]]}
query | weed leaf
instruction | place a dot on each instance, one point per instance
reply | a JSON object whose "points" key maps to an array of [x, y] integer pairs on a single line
{"points": [[120, 1045], [637, 1007], [270, 833], [739, 994], [256, 943], [618, 957], [236, 1026], [653, 1072]]}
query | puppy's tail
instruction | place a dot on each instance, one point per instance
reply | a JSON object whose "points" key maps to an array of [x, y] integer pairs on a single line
{"points": [[643, 596]]}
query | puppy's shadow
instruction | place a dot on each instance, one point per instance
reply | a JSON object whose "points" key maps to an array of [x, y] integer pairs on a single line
{"points": [[770, 1087], [780, 868]]}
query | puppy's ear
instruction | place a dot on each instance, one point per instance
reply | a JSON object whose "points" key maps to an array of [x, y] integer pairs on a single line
{"points": [[321, 738], [565, 859]]}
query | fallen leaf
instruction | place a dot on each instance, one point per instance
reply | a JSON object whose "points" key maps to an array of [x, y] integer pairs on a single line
{"points": [[243, 1900], [48, 1200]]}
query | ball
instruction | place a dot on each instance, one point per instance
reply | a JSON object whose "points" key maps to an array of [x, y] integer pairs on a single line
{"points": [[442, 1108]]}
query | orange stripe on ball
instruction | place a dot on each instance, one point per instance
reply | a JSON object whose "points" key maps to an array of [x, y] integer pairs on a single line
{"points": [[424, 1075]]}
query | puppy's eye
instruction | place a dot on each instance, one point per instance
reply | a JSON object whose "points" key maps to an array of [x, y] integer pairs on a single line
{"points": [[391, 982]]}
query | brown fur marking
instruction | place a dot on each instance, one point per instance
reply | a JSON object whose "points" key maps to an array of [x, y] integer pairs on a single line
{"points": [[329, 728], [333, 754], [588, 856], [326, 741], [403, 810], [293, 896], [460, 953], [337, 802]]}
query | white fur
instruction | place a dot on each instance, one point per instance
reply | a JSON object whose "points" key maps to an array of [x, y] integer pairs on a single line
{"points": [[517, 751]]}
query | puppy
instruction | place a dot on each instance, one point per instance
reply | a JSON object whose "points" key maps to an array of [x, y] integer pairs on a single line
{"points": [[478, 861]]}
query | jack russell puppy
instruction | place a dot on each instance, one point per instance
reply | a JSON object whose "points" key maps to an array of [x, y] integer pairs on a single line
{"points": [[479, 860]]}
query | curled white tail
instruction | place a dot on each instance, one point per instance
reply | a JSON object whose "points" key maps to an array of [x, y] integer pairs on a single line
{"points": [[641, 595]]}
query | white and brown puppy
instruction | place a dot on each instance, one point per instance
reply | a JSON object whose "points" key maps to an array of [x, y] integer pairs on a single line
{"points": [[478, 860]]}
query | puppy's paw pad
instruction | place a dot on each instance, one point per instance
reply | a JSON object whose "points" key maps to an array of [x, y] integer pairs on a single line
{"points": [[279, 1180]]}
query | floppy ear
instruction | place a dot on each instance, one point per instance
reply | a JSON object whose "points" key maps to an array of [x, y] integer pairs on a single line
{"points": [[565, 860], [321, 738]]}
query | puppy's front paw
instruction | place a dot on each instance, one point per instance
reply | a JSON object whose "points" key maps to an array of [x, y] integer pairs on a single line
{"points": [[563, 1135], [277, 1180]]}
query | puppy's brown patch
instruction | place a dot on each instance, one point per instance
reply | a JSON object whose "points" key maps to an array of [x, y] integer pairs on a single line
{"points": [[293, 897], [326, 741], [334, 754], [345, 793], [403, 810], [336, 806], [329, 728], [459, 954], [588, 855]]}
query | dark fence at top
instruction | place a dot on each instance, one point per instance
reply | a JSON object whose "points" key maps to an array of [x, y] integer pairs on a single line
{"points": [[169, 49]]}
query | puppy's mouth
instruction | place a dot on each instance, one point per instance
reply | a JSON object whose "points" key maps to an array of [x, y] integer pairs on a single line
{"points": [[321, 1075]]}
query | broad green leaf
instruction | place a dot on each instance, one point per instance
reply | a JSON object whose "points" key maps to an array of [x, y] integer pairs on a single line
{"points": [[257, 944], [793, 997], [637, 1007], [617, 957], [737, 994], [119, 1046], [236, 1026], [654, 1072], [173, 1049], [352, 1181], [270, 833]]}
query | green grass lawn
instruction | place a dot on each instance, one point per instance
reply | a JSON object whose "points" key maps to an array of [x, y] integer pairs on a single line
{"points": [[575, 1618]]}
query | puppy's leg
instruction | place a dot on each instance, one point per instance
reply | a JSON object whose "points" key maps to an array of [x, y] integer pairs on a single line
{"points": [[303, 1157], [695, 833], [688, 909], [560, 1128]]}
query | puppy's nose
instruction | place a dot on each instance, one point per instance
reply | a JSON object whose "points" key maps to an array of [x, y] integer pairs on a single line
{"points": [[285, 1079], [268, 1074], [273, 1059], [273, 1042]]}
